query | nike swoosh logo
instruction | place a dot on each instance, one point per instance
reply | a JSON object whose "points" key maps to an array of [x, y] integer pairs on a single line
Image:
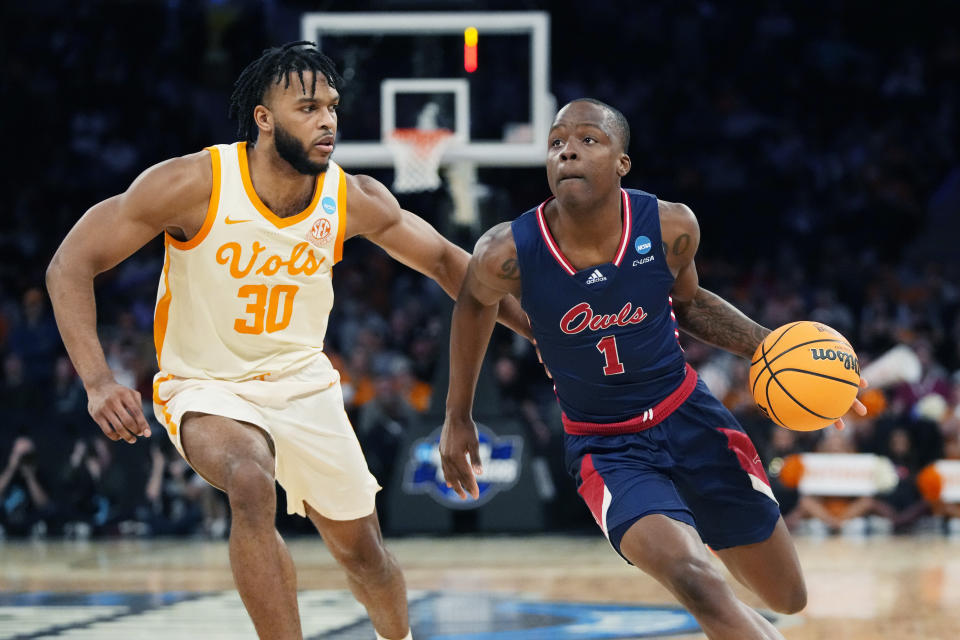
{"points": [[229, 221]]}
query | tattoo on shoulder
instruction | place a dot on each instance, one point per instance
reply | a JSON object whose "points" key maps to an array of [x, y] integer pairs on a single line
{"points": [[509, 270], [681, 244]]}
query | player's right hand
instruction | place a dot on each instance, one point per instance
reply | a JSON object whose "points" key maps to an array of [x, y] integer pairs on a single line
{"points": [[117, 410], [457, 441], [858, 408]]}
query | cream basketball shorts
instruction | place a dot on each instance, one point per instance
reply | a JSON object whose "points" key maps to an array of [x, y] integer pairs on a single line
{"points": [[317, 456]]}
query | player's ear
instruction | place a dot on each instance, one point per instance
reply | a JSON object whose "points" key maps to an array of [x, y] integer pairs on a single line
{"points": [[263, 118], [623, 165]]}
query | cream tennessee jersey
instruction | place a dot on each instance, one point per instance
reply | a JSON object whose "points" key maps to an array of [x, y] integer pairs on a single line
{"points": [[250, 294]]}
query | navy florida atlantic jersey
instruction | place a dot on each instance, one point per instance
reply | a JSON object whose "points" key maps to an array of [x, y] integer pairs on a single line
{"points": [[607, 333]]}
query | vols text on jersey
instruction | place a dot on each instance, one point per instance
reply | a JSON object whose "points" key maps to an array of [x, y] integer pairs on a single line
{"points": [[232, 251]]}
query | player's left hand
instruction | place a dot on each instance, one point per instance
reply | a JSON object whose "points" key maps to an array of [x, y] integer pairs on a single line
{"points": [[857, 407], [457, 441]]}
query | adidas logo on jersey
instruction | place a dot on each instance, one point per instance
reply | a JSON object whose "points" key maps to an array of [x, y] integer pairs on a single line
{"points": [[595, 277]]}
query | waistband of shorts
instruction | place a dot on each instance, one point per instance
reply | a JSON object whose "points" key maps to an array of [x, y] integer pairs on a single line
{"points": [[649, 418]]}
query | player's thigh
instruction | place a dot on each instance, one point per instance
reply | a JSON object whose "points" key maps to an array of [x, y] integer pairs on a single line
{"points": [[720, 476], [660, 546], [770, 568], [216, 446]]}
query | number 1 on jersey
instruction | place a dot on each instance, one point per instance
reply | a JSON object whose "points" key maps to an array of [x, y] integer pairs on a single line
{"points": [[608, 346]]}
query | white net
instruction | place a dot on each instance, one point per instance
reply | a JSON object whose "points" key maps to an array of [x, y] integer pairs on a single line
{"points": [[417, 154]]}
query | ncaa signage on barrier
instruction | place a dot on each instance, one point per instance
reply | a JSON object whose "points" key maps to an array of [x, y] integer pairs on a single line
{"points": [[500, 456]]}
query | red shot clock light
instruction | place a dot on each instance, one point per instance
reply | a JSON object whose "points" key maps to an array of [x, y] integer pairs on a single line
{"points": [[470, 49]]}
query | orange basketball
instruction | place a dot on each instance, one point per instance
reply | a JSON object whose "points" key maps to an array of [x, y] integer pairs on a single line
{"points": [[804, 376]]}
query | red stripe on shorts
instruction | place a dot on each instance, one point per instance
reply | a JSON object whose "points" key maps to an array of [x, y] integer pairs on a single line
{"points": [[739, 443], [649, 418], [591, 488]]}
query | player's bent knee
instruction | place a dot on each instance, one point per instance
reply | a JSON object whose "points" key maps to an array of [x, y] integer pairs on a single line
{"points": [[364, 562], [250, 489], [792, 598], [698, 585]]}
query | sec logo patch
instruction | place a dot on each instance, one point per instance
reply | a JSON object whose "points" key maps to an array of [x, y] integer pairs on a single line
{"points": [[321, 232]]}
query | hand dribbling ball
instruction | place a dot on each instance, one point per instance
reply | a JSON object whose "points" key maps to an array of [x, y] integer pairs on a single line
{"points": [[804, 376]]}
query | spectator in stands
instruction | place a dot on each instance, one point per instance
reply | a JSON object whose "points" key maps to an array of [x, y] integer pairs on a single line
{"points": [[383, 422], [25, 504], [839, 514], [35, 339], [173, 499], [904, 500], [82, 507], [20, 401], [67, 403], [934, 378]]}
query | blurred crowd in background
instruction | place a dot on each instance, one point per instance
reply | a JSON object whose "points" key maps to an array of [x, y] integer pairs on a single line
{"points": [[817, 142]]}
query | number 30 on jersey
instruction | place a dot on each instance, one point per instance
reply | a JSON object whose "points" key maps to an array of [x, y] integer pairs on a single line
{"points": [[270, 308]]}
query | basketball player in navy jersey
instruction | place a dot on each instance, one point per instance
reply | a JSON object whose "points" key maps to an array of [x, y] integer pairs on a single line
{"points": [[607, 278]]}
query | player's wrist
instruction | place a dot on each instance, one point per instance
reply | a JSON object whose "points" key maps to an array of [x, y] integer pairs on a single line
{"points": [[458, 417], [92, 382]]}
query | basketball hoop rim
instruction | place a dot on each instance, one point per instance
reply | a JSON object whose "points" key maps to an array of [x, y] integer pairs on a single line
{"points": [[420, 136], [423, 142]]}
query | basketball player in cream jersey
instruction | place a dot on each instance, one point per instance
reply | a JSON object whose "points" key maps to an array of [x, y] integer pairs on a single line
{"points": [[252, 231]]}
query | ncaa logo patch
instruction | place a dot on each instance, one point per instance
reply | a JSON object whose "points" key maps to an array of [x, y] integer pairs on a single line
{"points": [[642, 245], [328, 204], [500, 456]]}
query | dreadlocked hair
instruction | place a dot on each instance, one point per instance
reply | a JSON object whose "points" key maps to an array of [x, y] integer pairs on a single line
{"points": [[273, 67]]}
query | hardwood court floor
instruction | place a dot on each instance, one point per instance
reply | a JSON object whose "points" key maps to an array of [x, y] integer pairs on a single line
{"points": [[872, 589]]}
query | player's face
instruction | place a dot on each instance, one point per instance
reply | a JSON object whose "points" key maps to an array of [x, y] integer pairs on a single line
{"points": [[585, 160], [304, 122]]}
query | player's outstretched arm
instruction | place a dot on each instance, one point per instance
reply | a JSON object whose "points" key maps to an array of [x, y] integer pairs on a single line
{"points": [[700, 313], [171, 195], [491, 276], [376, 215]]}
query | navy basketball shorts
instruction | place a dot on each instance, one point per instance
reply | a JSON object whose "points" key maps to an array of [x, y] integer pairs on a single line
{"points": [[696, 466]]}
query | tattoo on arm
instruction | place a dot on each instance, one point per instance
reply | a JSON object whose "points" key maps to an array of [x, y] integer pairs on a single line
{"points": [[713, 320], [509, 270]]}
